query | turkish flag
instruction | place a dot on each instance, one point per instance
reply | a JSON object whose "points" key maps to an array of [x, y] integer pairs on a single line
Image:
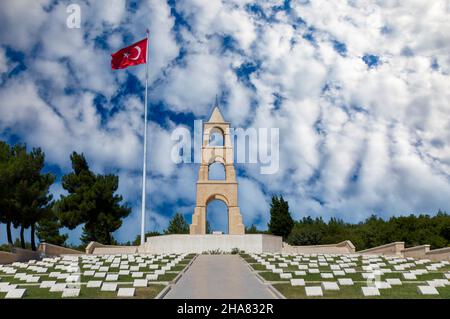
{"points": [[133, 55]]}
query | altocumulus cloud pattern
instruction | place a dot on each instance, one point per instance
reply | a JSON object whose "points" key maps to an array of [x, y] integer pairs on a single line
{"points": [[360, 91]]}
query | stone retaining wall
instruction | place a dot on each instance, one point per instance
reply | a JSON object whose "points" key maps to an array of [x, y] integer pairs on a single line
{"points": [[18, 254], [344, 247], [439, 254], [54, 250], [7, 257], [250, 243], [416, 251], [95, 248], [395, 248]]}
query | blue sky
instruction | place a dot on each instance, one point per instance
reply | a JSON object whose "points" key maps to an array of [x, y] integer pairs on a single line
{"points": [[359, 90]]}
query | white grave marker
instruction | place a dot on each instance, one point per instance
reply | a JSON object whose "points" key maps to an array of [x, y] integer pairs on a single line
{"points": [[314, 291]]}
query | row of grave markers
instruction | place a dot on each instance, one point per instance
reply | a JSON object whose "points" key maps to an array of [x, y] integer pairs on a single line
{"points": [[142, 269], [373, 267]]}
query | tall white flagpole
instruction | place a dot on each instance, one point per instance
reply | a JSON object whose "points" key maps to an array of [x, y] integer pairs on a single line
{"points": [[144, 169]]}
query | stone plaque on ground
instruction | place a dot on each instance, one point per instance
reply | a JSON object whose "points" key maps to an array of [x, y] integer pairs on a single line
{"points": [[47, 284], [370, 291], [382, 285], [125, 292], [5, 287], [112, 277], [409, 276], [109, 286], [94, 284], [140, 283], [328, 285], [15, 294], [137, 274], [427, 290], [345, 281], [393, 281], [152, 277], [58, 287], [70, 293], [297, 282], [314, 291]]}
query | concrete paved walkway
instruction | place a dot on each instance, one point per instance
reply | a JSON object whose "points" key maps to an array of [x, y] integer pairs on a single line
{"points": [[217, 277]]}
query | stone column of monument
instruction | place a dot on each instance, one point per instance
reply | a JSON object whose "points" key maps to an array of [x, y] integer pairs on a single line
{"points": [[224, 190]]}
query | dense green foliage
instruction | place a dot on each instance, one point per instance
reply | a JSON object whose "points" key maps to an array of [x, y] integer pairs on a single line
{"points": [[177, 225], [48, 229], [25, 201], [208, 228], [91, 201], [137, 240], [281, 222], [253, 230], [24, 189], [374, 231]]}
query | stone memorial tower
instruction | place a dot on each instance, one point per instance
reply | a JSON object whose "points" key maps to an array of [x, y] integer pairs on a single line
{"points": [[225, 190]]}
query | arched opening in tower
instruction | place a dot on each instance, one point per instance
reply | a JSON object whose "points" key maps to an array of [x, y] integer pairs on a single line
{"points": [[216, 171], [216, 217], [216, 137]]}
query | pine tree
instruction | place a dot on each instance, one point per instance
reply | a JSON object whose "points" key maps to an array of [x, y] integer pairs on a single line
{"points": [[7, 182], [47, 229], [178, 225], [251, 230], [5, 156], [32, 196], [281, 222], [24, 189], [91, 201]]}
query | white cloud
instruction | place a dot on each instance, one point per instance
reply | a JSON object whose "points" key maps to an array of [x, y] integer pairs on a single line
{"points": [[21, 21], [192, 88], [3, 61]]}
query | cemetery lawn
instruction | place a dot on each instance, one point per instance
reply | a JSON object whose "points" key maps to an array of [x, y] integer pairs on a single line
{"points": [[405, 291], [248, 258], [154, 287], [315, 269], [149, 292]]}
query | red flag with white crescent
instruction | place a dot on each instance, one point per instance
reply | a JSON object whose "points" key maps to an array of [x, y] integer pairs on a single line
{"points": [[132, 55]]}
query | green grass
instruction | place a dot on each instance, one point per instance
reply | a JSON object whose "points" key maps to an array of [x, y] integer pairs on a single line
{"points": [[187, 259], [34, 292], [248, 259], [178, 267], [257, 266], [405, 291], [270, 276], [91, 293]]}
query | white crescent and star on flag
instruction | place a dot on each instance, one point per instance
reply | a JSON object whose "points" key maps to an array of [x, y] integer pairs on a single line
{"points": [[128, 54]]}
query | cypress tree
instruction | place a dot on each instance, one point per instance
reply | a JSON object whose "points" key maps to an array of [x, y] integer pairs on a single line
{"points": [[281, 222]]}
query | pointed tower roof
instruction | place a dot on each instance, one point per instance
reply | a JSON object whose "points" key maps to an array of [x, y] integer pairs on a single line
{"points": [[216, 116]]}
